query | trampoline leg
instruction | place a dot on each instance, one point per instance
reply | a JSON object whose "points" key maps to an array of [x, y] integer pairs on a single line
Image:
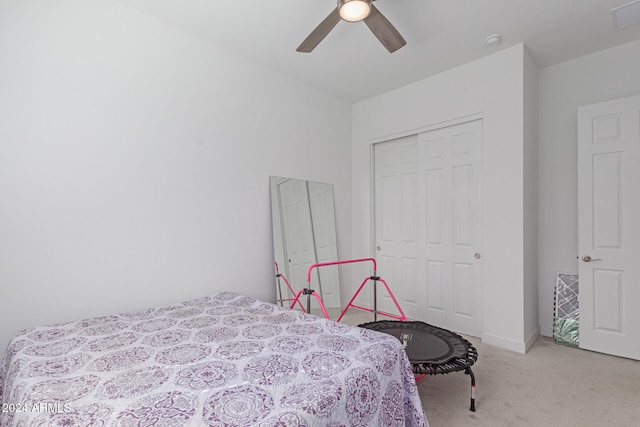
{"points": [[469, 372]]}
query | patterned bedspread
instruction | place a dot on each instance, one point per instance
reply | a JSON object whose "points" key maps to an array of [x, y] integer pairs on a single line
{"points": [[222, 360]]}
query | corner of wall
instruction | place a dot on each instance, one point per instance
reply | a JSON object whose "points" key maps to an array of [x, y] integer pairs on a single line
{"points": [[531, 324]]}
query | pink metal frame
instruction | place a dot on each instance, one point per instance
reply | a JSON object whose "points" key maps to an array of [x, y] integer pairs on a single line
{"points": [[373, 278], [291, 291], [375, 310], [315, 294]]}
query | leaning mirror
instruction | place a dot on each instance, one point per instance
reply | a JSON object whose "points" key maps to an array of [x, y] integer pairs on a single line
{"points": [[304, 233]]}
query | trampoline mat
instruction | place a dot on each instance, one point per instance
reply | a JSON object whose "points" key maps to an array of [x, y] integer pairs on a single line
{"points": [[423, 343]]}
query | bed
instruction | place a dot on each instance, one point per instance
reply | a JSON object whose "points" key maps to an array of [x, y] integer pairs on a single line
{"points": [[222, 360]]}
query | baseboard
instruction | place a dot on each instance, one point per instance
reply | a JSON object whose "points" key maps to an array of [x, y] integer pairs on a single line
{"points": [[509, 344], [505, 343], [532, 339]]}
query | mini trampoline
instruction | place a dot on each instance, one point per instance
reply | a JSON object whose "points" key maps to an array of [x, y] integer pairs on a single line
{"points": [[431, 350]]}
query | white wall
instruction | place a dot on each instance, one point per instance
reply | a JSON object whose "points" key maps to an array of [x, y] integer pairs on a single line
{"points": [[493, 88], [609, 74], [135, 163]]}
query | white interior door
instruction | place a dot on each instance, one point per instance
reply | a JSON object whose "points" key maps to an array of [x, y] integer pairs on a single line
{"points": [[609, 232], [428, 228]]}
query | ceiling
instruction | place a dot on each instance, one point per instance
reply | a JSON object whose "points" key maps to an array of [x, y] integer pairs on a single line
{"points": [[351, 64]]}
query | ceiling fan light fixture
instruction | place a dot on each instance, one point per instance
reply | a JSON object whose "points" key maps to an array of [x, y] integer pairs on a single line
{"points": [[354, 10]]}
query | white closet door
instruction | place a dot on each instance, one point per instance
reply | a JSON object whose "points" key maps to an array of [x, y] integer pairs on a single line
{"points": [[396, 218], [609, 227], [450, 254], [428, 235]]}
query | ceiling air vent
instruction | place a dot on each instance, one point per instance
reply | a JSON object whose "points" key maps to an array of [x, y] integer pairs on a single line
{"points": [[626, 16]]}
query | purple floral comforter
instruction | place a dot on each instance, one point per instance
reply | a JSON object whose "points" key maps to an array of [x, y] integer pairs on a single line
{"points": [[222, 360]]}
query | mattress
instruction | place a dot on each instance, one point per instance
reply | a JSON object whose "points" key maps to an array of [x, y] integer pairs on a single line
{"points": [[222, 360]]}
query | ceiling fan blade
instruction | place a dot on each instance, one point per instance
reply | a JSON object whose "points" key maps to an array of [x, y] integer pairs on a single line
{"points": [[320, 32], [384, 30]]}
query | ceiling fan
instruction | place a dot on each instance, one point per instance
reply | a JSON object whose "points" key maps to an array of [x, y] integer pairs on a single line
{"points": [[354, 11]]}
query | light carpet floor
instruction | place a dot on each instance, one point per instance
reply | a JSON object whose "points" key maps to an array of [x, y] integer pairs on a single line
{"points": [[552, 385]]}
